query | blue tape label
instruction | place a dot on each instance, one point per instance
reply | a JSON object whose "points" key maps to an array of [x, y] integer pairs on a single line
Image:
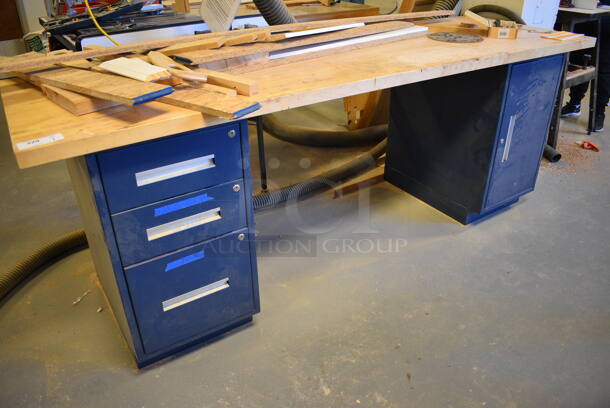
{"points": [[186, 260], [180, 205]]}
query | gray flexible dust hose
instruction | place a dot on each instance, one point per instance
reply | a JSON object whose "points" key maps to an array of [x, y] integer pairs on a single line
{"points": [[275, 12], [308, 136], [322, 182], [63, 245]]}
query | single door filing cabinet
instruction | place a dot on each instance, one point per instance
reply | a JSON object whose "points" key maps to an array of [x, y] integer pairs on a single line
{"points": [[470, 144], [170, 225]]}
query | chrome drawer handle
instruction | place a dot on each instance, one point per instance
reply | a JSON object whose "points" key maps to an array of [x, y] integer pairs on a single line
{"points": [[509, 137], [193, 295], [183, 224], [175, 170]]}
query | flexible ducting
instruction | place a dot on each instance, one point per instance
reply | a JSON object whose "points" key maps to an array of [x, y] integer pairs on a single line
{"points": [[308, 136], [445, 4], [275, 12], [50, 252], [324, 181], [490, 8]]}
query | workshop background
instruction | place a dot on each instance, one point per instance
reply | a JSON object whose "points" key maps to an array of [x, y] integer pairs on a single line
{"points": [[510, 312]]}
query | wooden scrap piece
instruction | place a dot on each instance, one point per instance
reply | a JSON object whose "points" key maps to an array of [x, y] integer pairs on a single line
{"points": [[211, 103], [188, 75], [104, 86], [241, 39], [135, 68], [206, 44], [75, 103], [243, 86]]}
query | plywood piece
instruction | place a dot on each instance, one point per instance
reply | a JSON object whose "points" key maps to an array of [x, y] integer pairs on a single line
{"points": [[135, 68], [108, 87], [201, 57], [212, 103], [243, 86], [75, 103], [12, 64]]}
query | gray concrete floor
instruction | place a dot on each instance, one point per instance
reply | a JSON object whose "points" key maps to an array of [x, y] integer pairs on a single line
{"points": [[512, 312]]}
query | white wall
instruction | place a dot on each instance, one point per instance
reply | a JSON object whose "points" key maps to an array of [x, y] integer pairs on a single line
{"points": [[541, 13], [29, 11]]}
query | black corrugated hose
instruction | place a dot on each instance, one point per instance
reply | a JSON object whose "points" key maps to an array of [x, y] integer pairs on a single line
{"points": [[322, 182], [63, 245]]}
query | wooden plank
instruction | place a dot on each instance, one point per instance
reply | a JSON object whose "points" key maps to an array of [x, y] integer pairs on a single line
{"points": [[186, 73], [219, 89], [11, 65], [211, 103], [108, 87], [206, 56], [243, 86], [241, 39], [75, 103], [206, 44]]}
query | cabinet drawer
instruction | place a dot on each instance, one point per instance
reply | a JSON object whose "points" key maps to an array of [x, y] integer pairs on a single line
{"points": [[193, 291], [156, 229], [153, 171]]}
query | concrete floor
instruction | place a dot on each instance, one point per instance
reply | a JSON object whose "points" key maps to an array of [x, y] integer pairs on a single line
{"points": [[398, 306]]}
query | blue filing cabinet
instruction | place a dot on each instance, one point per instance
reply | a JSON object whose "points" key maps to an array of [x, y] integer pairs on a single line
{"points": [[171, 230], [470, 144]]}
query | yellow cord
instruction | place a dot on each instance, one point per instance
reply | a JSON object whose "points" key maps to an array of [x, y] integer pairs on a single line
{"points": [[99, 27]]}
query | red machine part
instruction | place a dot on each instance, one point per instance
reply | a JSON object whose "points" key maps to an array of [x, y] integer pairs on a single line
{"points": [[79, 7]]}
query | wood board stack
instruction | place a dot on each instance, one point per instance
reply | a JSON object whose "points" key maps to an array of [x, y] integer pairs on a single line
{"points": [[202, 87]]}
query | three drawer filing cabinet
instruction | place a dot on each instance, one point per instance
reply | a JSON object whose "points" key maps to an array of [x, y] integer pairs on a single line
{"points": [[471, 144], [171, 229]]}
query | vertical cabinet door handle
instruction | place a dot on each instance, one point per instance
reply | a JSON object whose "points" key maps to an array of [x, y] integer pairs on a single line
{"points": [[509, 137]]}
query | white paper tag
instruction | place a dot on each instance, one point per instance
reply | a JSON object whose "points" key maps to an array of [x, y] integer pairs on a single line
{"points": [[40, 141]]}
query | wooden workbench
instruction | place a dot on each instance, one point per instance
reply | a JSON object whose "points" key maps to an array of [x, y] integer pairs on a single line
{"points": [[170, 222], [30, 115]]}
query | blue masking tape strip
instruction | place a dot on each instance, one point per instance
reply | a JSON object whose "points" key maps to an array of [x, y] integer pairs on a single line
{"points": [[186, 260], [153, 95], [245, 111], [180, 205]]}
